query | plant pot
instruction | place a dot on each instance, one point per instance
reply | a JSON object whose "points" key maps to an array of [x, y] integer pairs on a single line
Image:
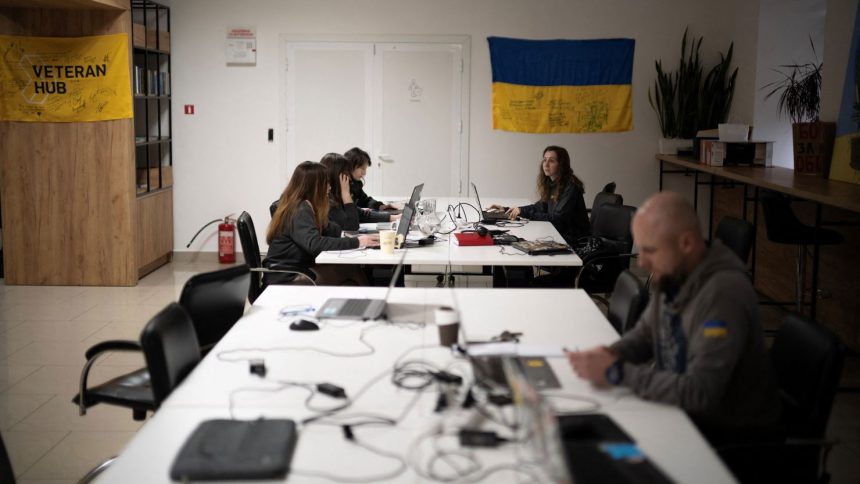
{"points": [[670, 146], [813, 147]]}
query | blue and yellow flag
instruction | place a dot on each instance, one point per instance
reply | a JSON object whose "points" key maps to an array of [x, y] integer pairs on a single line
{"points": [[562, 86]]}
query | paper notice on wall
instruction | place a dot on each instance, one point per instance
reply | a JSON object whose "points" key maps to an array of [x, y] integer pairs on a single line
{"points": [[241, 46]]}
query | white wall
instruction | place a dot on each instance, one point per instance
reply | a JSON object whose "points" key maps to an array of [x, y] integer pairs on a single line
{"points": [[785, 27], [223, 163]]}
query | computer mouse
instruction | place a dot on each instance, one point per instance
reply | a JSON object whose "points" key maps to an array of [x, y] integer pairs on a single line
{"points": [[302, 324]]}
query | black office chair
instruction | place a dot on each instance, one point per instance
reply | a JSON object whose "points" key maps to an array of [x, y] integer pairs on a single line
{"points": [[607, 252], [171, 350], [783, 227], [609, 187], [629, 298], [215, 301], [807, 362], [600, 199], [273, 207], [251, 249], [737, 235], [6, 474]]}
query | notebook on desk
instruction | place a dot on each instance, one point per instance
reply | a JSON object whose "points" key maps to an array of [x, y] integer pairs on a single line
{"points": [[541, 247]]}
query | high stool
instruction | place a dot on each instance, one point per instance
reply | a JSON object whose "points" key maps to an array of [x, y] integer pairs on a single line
{"points": [[783, 227]]}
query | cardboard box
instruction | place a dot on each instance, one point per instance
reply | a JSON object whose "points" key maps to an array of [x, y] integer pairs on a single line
{"points": [[138, 35], [722, 153]]}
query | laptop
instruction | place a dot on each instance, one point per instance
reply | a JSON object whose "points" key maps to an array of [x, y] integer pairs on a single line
{"points": [[580, 448], [485, 215], [416, 195], [363, 309]]}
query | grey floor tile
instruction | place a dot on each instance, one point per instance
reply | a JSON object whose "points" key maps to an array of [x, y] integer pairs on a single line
{"points": [[60, 414], [10, 375], [44, 311], [10, 346], [77, 453], [48, 353], [14, 408], [26, 448], [128, 313], [116, 331], [55, 330]]}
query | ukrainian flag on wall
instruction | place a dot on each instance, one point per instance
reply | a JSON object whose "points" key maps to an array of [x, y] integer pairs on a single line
{"points": [[562, 86]]}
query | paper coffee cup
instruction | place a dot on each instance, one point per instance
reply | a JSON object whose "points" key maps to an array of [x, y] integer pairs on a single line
{"points": [[387, 240], [448, 321]]}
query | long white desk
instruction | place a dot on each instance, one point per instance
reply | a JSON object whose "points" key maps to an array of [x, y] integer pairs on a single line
{"points": [[546, 317]]}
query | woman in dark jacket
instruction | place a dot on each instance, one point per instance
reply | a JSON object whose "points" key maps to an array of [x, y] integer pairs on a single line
{"points": [[342, 208], [300, 230], [359, 162], [561, 197]]}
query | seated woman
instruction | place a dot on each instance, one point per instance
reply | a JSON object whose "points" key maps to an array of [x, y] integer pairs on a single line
{"points": [[300, 231], [342, 208], [561, 197], [359, 162]]}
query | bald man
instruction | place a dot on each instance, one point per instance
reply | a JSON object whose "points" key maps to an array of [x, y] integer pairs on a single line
{"points": [[698, 344]]}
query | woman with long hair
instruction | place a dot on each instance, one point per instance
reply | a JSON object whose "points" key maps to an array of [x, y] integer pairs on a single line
{"points": [[342, 207], [300, 230], [561, 194]]}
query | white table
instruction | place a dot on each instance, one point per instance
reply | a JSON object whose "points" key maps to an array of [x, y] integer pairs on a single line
{"points": [[447, 253], [546, 317]]}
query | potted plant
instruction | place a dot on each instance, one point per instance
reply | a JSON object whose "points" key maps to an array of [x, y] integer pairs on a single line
{"points": [[685, 103], [799, 93]]}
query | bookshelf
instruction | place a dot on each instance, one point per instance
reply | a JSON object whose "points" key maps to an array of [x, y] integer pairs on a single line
{"points": [[152, 101]]}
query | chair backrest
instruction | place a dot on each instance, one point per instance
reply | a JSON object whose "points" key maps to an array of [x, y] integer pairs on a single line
{"points": [[251, 249], [603, 198], [779, 219], [807, 360], [6, 474], [737, 235], [609, 187], [170, 348], [273, 207], [215, 301], [613, 223], [628, 300]]}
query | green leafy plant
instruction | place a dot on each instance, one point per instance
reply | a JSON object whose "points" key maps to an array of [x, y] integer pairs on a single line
{"points": [[799, 90], [683, 101], [718, 90]]}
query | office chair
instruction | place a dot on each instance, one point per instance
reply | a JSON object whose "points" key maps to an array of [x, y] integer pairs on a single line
{"points": [[737, 235], [607, 252], [251, 249], [783, 227], [609, 187], [171, 350], [6, 474], [807, 362], [629, 298], [215, 301], [600, 199], [273, 207]]}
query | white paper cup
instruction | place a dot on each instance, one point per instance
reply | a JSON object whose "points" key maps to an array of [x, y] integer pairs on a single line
{"points": [[387, 239], [448, 321]]}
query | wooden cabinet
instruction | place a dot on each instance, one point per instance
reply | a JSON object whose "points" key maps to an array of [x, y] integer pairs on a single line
{"points": [[71, 211]]}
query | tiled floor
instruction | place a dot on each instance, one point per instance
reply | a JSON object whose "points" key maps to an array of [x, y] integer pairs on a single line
{"points": [[44, 332]]}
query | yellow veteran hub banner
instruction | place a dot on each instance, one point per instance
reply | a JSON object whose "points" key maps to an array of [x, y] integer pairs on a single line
{"points": [[64, 79]]}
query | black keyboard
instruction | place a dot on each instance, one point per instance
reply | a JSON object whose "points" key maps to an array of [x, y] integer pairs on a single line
{"points": [[354, 307]]}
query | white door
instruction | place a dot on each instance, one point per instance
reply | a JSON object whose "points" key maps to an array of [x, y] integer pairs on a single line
{"points": [[417, 112], [329, 87], [402, 102]]}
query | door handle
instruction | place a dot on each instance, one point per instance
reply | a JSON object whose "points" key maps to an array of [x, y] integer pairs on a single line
{"points": [[386, 158]]}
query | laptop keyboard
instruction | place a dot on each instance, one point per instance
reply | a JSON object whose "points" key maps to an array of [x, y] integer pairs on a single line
{"points": [[355, 307]]}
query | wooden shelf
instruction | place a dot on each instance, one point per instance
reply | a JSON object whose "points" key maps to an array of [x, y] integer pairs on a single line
{"points": [[68, 4], [150, 96], [153, 140]]}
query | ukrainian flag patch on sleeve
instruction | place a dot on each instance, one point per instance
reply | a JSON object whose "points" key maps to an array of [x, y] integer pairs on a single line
{"points": [[715, 329]]}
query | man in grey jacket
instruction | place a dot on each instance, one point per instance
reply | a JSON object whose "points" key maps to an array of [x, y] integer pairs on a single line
{"points": [[698, 344]]}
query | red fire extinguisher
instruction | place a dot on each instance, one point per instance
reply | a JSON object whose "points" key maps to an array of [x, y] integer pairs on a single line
{"points": [[226, 239]]}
